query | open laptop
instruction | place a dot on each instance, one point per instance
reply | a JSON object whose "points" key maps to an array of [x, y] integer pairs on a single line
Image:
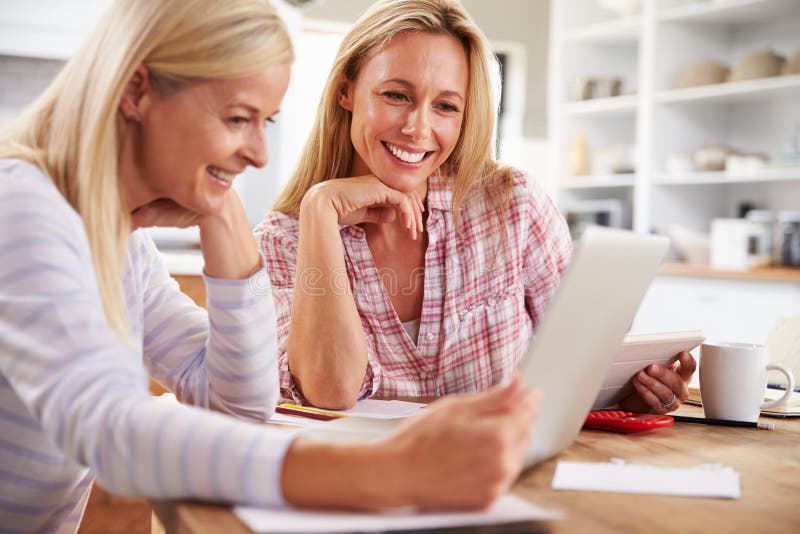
{"points": [[575, 343]]}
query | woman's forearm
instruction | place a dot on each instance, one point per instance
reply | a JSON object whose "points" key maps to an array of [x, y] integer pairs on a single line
{"points": [[326, 347], [331, 475], [229, 250]]}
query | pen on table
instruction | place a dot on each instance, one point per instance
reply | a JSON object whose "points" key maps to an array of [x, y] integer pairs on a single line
{"points": [[723, 422], [295, 409], [302, 413], [781, 387]]}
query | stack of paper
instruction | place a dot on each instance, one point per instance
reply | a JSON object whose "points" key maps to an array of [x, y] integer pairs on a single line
{"points": [[507, 509]]}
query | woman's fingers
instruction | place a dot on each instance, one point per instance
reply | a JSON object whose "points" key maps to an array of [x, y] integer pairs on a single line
{"points": [[469, 447], [408, 205], [419, 208], [650, 399], [658, 386], [686, 366], [367, 199]]}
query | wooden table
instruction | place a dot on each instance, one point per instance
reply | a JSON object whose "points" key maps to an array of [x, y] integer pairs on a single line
{"points": [[768, 462]]}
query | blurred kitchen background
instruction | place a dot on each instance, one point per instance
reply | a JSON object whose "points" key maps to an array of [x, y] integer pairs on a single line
{"points": [[679, 117]]}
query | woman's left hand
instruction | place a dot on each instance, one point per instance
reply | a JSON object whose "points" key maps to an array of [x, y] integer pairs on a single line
{"points": [[659, 389]]}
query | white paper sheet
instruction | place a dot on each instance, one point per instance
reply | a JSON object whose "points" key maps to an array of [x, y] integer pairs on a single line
{"points": [[507, 509], [368, 408], [384, 409], [295, 421], [707, 480]]}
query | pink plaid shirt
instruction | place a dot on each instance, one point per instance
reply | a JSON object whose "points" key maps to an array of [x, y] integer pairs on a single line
{"points": [[479, 308]]}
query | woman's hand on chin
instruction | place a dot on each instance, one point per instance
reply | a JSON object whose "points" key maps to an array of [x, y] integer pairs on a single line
{"points": [[365, 199], [163, 212], [229, 250]]}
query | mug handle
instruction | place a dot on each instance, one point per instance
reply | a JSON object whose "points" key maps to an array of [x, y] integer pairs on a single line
{"points": [[789, 388]]}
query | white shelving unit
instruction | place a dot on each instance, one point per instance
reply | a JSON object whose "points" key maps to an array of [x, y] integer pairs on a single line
{"points": [[654, 120]]}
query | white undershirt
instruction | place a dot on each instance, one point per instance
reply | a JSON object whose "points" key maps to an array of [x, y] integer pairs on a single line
{"points": [[412, 327]]}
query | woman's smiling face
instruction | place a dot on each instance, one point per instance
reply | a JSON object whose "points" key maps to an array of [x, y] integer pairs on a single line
{"points": [[407, 107], [196, 141]]}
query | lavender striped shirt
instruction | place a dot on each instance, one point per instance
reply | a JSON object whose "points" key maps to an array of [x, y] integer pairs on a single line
{"points": [[74, 400]]}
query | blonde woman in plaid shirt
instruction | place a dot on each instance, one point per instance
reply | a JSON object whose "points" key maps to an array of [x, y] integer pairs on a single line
{"points": [[405, 260]]}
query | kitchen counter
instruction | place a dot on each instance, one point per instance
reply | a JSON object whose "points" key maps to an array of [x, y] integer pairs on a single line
{"points": [[772, 274]]}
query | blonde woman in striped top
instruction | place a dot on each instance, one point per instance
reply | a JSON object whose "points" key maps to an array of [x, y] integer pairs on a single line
{"points": [[148, 125]]}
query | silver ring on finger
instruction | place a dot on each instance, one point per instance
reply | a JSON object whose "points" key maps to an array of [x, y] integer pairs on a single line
{"points": [[670, 403]]}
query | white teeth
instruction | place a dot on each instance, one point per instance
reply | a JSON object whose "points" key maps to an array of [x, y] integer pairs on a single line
{"points": [[408, 157], [222, 175]]}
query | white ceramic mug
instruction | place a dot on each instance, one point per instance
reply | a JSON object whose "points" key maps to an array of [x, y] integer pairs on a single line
{"points": [[733, 377]]}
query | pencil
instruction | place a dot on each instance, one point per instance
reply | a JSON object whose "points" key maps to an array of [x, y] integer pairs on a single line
{"points": [[311, 409], [304, 413], [723, 422]]}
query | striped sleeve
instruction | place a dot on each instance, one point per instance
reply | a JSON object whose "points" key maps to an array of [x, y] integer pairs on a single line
{"points": [[224, 359], [86, 392]]}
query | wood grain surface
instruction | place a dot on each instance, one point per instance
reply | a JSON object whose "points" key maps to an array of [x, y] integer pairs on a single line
{"points": [[768, 462]]}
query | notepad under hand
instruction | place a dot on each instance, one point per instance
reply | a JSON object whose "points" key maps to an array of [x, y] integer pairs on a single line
{"points": [[708, 480]]}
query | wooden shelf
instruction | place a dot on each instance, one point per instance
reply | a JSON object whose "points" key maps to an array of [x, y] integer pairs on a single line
{"points": [[598, 181], [710, 178], [614, 106], [733, 91], [777, 274], [730, 12], [622, 30]]}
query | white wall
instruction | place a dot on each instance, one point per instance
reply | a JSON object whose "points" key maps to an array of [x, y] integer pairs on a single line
{"points": [[21, 80]]}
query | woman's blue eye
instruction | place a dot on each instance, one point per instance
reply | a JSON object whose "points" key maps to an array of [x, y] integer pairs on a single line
{"points": [[448, 107]]}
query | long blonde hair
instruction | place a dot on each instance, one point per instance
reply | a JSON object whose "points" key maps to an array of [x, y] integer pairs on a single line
{"points": [[73, 130], [328, 153]]}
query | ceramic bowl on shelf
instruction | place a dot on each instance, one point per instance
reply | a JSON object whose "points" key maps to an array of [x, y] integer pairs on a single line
{"points": [[792, 65], [704, 72], [760, 64], [607, 87], [712, 157]]}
